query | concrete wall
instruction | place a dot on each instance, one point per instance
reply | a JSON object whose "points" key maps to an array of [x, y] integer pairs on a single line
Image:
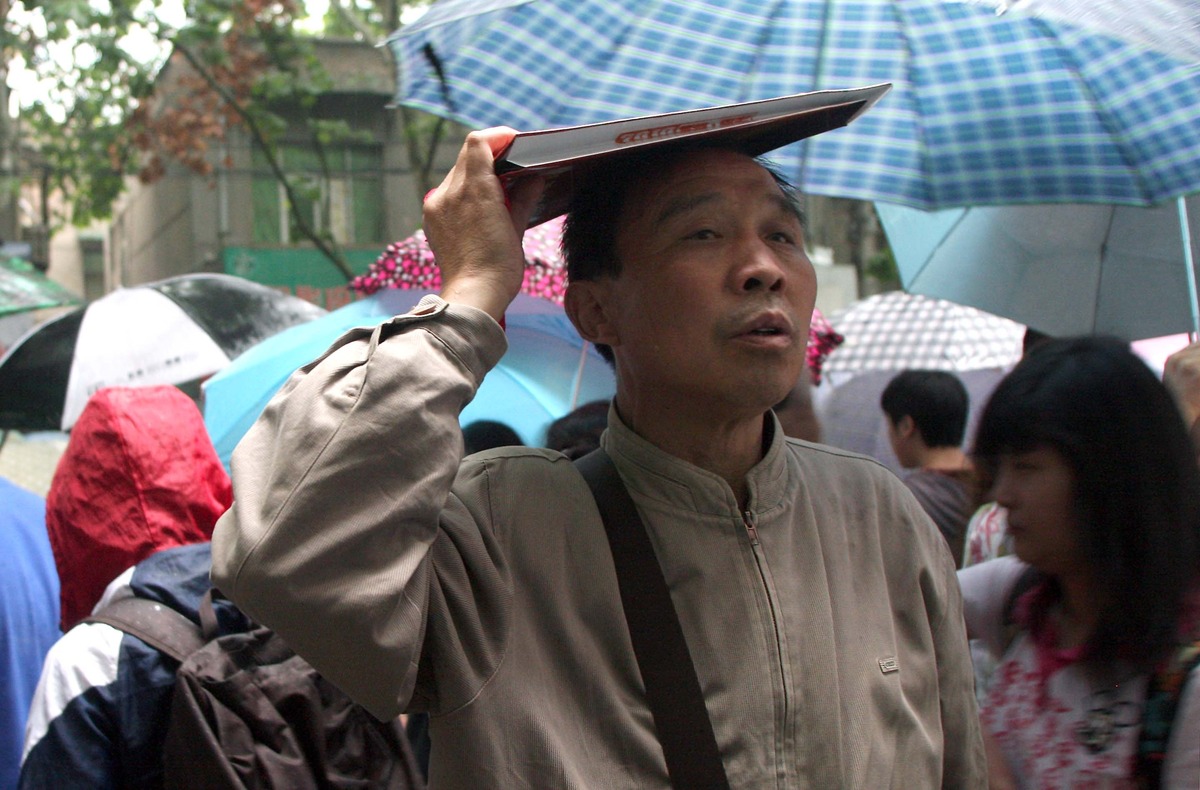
{"points": [[76, 259], [182, 222], [847, 227], [153, 234], [66, 259]]}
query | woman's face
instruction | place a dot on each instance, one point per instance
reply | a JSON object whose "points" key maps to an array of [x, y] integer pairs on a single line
{"points": [[1038, 489]]}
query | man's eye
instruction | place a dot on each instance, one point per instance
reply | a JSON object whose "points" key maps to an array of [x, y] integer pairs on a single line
{"points": [[782, 237], [703, 233]]}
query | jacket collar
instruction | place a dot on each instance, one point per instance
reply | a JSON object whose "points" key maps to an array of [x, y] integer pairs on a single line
{"points": [[653, 473]]}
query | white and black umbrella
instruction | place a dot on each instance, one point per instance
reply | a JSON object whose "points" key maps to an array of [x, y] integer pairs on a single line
{"points": [[174, 331]]}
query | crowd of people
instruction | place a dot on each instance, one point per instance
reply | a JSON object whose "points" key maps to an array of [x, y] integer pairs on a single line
{"points": [[474, 585]]}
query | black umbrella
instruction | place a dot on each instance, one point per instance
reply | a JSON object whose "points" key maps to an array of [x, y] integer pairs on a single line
{"points": [[174, 331]]}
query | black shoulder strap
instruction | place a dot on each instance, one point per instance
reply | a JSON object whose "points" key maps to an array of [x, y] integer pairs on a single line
{"points": [[1163, 693], [672, 689], [156, 624]]}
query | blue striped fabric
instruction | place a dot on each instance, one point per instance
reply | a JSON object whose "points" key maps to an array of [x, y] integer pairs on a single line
{"points": [[985, 109]]}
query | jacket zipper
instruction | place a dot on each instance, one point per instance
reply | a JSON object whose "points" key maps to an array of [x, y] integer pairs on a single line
{"points": [[748, 520], [752, 532]]}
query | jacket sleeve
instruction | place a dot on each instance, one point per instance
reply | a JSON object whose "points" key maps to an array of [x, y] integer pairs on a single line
{"points": [[344, 534], [72, 738], [964, 760]]}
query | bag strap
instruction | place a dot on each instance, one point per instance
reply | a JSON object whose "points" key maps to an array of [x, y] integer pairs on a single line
{"points": [[156, 624], [672, 688], [1163, 692]]}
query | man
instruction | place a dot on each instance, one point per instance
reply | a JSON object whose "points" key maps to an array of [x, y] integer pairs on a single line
{"points": [[821, 614], [926, 414]]}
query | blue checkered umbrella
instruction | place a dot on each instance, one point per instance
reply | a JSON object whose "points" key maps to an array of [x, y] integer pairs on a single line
{"points": [[1171, 26], [986, 108]]}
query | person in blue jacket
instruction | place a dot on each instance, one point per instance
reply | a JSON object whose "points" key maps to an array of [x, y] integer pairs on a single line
{"points": [[28, 615]]}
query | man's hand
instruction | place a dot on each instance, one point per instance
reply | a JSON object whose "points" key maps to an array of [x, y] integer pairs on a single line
{"points": [[475, 237], [1181, 374]]}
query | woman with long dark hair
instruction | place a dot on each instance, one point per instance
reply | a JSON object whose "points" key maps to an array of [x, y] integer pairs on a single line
{"points": [[1085, 448]]}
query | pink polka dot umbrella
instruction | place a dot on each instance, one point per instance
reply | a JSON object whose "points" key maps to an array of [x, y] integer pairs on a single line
{"points": [[409, 263], [822, 339]]}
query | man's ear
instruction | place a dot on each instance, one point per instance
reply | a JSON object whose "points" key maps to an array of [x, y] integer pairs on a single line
{"points": [[906, 427], [587, 306]]}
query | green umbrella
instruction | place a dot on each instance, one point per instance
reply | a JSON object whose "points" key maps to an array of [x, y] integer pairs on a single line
{"points": [[23, 287]]}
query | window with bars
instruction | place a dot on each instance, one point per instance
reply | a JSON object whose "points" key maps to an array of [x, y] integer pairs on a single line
{"points": [[347, 203]]}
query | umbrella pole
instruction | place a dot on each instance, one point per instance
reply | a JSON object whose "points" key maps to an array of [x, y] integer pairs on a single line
{"points": [[1186, 233]]}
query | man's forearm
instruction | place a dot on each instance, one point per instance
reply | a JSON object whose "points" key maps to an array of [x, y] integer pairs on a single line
{"points": [[338, 489]]}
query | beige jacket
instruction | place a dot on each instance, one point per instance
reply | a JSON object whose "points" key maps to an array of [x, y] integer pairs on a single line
{"points": [[831, 651]]}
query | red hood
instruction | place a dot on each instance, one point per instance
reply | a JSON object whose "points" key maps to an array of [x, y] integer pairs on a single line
{"points": [[139, 474]]}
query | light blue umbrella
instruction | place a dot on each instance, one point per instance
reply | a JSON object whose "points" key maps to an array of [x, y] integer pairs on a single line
{"points": [[986, 108], [547, 371], [1064, 269]]}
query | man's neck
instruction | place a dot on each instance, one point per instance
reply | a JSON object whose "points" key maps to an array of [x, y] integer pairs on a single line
{"points": [[728, 449], [944, 459]]}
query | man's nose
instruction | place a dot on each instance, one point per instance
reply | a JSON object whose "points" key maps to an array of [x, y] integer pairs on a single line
{"points": [[759, 268]]}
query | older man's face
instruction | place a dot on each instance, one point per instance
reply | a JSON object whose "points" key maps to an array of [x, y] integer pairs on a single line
{"points": [[716, 292]]}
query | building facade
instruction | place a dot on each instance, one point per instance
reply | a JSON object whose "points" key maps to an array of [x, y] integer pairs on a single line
{"points": [[363, 189]]}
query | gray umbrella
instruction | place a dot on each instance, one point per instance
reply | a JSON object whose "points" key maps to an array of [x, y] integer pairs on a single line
{"points": [[1064, 269]]}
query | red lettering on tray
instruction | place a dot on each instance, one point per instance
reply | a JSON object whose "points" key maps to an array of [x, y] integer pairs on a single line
{"points": [[679, 129]]}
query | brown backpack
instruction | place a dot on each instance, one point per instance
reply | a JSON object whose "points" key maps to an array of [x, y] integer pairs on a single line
{"points": [[247, 712]]}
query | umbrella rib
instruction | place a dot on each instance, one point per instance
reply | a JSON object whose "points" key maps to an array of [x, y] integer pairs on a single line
{"points": [[435, 63], [602, 64], [759, 52], [937, 248], [1115, 133], [818, 76], [1112, 218], [930, 200]]}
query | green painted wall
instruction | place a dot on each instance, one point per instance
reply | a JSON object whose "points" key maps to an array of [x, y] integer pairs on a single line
{"points": [[301, 271]]}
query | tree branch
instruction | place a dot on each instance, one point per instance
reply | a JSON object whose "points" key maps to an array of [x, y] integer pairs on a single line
{"points": [[423, 162], [352, 19], [327, 249]]}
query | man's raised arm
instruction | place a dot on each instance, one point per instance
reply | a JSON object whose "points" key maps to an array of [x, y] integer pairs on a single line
{"points": [[341, 487]]}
